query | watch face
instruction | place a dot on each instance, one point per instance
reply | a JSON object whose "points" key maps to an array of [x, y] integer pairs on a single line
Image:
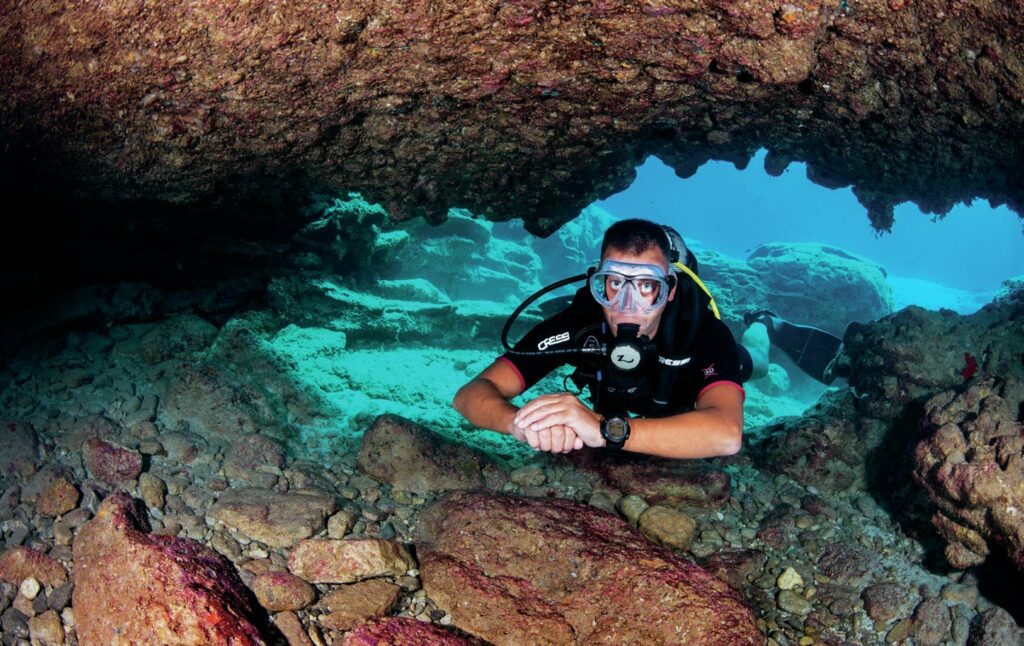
{"points": [[616, 429]]}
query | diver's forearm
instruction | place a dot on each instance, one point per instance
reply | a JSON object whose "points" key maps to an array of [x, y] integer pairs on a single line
{"points": [[697, 434], [483, 406]]}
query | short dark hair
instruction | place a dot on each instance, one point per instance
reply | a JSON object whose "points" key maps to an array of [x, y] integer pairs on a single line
{"points": [[636, 236]]}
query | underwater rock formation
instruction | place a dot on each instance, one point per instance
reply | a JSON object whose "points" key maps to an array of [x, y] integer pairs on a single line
{"points": [[972, 465], [136, 587], [487, 559], [908, 357], [413, 458], [821, 285], [526, 110], [402, 631]]}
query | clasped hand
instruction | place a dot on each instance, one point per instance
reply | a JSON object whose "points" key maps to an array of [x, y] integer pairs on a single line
{"points": [[558, 423]]}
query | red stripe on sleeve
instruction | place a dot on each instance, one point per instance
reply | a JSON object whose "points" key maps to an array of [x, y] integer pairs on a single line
{"points": [[728, 383], [522, 382]]}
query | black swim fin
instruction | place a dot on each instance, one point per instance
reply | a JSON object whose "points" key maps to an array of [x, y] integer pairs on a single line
{"points": [[811, 349]]}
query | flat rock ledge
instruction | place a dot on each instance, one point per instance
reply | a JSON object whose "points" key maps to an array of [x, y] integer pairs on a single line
{"points": [[413, 458], [133, 587], [513, 570], [274, 518]]}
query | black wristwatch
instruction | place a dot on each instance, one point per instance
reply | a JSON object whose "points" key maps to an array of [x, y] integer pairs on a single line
{"points": [[615, 431]]}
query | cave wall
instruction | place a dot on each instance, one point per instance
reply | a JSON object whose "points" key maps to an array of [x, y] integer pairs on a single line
{"points": [[524, 109]]}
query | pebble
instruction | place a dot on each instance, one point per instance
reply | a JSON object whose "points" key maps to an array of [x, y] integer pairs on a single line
{"points": [[793, 602], [46, 629], [29, 588], [789, 579], [60, 597], [632, 507], [14, 623], [62, 533], [899, 632], [24, 605], [529, 476]]}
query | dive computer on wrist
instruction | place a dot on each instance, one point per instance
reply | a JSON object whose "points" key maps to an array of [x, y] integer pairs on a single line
{"points": [[615, 431]]}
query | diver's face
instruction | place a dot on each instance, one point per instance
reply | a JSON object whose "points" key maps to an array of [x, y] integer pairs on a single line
{"points": [[648, 322]]}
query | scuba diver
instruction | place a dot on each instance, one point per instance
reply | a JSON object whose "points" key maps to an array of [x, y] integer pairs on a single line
{"points": [[647, 396], [644, 335]]}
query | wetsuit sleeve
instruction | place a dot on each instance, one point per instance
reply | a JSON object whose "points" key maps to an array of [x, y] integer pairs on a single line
{"points": [[554, 333], [716, 356]]}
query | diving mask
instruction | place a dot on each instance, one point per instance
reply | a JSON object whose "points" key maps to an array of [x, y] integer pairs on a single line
{"points": [[630, 287]]}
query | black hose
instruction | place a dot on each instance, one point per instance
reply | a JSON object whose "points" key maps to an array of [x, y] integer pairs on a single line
{"points": [[515, 314]]}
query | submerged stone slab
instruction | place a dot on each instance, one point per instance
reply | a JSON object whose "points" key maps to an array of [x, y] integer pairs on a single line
{"points": [[135, 587], [403, 631], [413, 458], [277, 519], [514, 570], [347, 561]]}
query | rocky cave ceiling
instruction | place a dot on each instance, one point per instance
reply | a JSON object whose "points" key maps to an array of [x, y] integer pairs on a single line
{"points": [[520, 109]]}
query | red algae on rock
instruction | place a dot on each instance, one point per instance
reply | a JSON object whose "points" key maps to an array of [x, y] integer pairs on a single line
{"points": [[136, 587], [514, 570]]}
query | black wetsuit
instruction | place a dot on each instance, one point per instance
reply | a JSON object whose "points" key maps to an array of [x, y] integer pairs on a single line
{"points": [[712, 358]]}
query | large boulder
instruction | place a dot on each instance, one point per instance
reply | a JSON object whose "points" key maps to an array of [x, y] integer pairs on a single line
{"points": [[821, 285], [908, 357], [971, 463], [208, 400], [135, 587], [347, 561], [825, 448], [657, 480], [514, 570], [413, 458]]}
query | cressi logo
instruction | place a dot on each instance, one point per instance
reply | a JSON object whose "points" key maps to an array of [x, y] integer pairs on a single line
{"points": [[553, 340]]}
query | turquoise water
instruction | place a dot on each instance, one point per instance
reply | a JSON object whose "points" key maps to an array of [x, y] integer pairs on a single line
{"points": [[433, 278], [957, 262]]}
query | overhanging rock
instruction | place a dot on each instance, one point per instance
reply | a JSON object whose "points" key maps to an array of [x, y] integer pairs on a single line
{"points": [[528, 109]]}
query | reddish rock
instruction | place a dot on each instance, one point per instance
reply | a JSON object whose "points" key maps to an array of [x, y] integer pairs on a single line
{"points": [[355, 603], [291, 627], [689, 81], [972, 466], [668, 527], [886, 601], [279, 591], [136, 587], [112, 463], [487, 560], [848, 564], [345, 561], [17, 448], [59, 498], [277, 519], [20, 563], [403, 631], [251, 452], [689, 482], [413, 458], [932, 622]]}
